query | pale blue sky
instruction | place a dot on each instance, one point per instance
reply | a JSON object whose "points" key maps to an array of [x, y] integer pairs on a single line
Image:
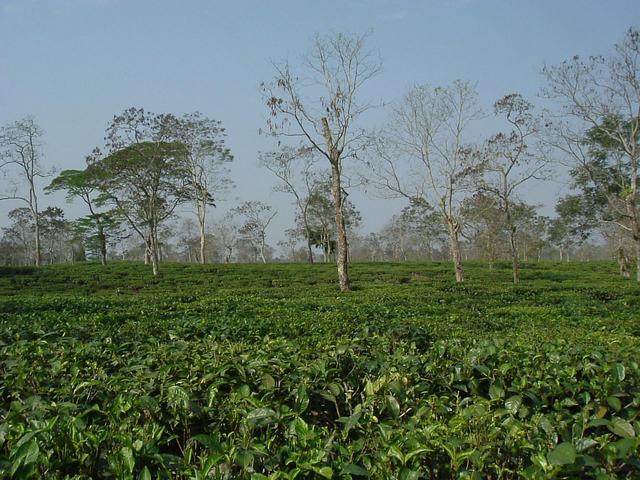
{"points": [[73, 64]]}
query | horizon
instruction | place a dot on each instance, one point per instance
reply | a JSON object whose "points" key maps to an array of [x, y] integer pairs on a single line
{"points": [[74, 64]]}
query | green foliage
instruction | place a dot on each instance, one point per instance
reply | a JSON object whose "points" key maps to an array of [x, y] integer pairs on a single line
{"points": [[265, 372]]}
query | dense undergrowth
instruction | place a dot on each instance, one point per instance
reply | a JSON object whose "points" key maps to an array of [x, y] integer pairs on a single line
{"points": [[248, 371]]}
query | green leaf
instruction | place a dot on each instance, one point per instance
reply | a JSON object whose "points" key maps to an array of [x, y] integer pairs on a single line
{"points": [[145, 474], [260, 414], [614, 402], [355, 470], [326, 472], [268, 382], [620, 371], [127, 455], [350, 421], [393, 405], [622, 428], [209, 441], [408, 474], [563, 454], [495, 392], [26, 454], [513, 404]]}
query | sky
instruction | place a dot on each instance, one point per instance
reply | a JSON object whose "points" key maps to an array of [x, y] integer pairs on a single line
{"points": [[73, 64]]}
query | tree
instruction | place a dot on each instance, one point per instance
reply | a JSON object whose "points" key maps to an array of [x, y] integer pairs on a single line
{"points": [[20, 153], [99, 239], [484, 221], [566, 230], [257, 217], [143, 176], [205, 158], [296, 170], [598, 128], [56, 233], [510, 163], [321, 220], [187, 238], [424, 154], [322, 106], [227, 232], [532, 233], [21, 232], [80, 184]]}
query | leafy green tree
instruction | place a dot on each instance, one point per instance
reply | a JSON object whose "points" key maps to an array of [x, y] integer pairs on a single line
{"points": [[80, 184], [484, 225], [143, 175], [568, 228], [321, 223]]}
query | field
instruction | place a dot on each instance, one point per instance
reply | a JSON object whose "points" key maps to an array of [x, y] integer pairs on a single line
{"points": [[251, 371]]}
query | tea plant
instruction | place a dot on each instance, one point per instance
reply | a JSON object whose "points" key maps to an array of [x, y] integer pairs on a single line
{"points": [[267, 372]]}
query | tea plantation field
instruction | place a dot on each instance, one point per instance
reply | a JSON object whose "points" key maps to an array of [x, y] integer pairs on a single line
{"points": [[256, 372]]}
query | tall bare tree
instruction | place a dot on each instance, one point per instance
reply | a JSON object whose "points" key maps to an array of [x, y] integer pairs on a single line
{"points": [[298, 175], [511, 162], [598, 127], [205, 160], [257, 217], [424, 155], [321, 105], [20, 155], [226, 230]]}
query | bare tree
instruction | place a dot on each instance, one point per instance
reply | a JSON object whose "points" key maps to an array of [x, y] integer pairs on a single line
{"points": [[298, 175], [598, 128], [424, 154], [20, 154], [321, 106], [257, 217], [226, 230], [205, 162], [510, 163]]}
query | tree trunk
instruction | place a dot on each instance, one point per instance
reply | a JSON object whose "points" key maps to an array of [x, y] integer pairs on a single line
{"points": [[147, 250], [637, 242], [336, 191], [454, 231], [262, 241], [309, 251], [203, 236], [341, 231], [103, 246], [514, 256], [38, 252], [154, 254]]}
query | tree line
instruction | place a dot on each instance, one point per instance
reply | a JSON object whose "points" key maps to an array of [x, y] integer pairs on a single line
{"points": [[463, 192]]}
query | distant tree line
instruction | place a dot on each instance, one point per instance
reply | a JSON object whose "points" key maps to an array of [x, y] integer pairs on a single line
{"points": [[463, 193]]}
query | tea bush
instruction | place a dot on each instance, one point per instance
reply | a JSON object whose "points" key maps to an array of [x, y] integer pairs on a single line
{"points": [[267, 371]]}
